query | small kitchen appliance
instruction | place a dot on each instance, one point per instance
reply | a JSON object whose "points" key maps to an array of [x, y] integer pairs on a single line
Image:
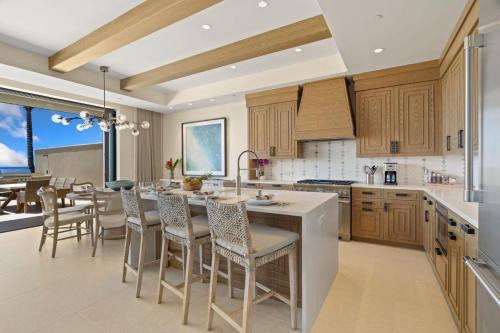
{"points": [[390, 173]]}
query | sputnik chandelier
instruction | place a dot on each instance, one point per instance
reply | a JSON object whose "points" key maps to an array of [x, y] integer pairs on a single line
{"points": [[105, 122]]}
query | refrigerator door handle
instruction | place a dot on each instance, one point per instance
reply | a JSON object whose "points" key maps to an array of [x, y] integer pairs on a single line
{"points": [[471, 43], [475, 266]]}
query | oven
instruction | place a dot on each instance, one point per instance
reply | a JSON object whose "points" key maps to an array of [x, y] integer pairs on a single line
{"points": [[442, 227]]}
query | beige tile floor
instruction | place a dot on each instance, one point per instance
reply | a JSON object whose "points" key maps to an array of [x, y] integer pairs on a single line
{"points": [[378, 289]]}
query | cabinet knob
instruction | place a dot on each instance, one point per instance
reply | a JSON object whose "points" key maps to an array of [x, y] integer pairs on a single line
{"points": [[452, 236], [452, 222]]}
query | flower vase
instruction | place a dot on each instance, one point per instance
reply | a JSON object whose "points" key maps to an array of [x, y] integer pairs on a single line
{"points": [[172, 174]]}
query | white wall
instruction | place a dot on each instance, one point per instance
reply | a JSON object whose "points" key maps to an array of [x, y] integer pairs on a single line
{"points": [[237, 133]]}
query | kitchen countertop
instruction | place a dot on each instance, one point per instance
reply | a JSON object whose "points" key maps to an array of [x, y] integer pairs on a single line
{"points": [[449, 196]]}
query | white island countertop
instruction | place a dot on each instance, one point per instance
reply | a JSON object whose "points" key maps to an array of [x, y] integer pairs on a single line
{"points": [[449, 196]]}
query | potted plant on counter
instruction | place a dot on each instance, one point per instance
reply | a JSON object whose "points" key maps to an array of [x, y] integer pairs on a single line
{"points": [[171, 165], [194, 183]]}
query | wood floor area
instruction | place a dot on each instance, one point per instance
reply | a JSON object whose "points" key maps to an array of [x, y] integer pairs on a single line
{"points": [[383, 289], [378, 289]]}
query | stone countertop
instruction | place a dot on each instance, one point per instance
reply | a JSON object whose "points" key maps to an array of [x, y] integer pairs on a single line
{"points": [[449, 196], [296, 203]]}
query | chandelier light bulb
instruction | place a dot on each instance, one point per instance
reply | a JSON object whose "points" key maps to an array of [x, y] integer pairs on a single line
{"points": [[131, 125], [65, 121], [121, 117], [56, 118], [80, 127], [84, 114], [135, 132], [145, 124]]}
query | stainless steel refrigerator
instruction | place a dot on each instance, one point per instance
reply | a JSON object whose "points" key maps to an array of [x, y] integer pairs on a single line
{"points": [[482, 162]]}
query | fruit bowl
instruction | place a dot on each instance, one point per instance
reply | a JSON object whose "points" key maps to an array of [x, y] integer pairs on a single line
{"points": [[118, 184], [192, 186]]}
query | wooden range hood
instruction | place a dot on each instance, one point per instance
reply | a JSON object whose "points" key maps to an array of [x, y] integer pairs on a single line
{"points": [[325, 112]]}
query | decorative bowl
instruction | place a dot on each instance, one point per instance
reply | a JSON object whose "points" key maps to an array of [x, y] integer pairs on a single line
{"points": [[118, 184], [192, 186]]}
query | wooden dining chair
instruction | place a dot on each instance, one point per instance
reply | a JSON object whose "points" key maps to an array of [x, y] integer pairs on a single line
{"points": [[28, 195], [58, 223], [108, 214], [143, 223], [251, 246]]}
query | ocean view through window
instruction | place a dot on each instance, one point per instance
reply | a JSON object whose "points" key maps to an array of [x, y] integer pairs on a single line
{"points": [[14, 148]]}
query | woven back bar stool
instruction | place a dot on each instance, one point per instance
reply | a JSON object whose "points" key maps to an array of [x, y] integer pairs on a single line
{"points": [[190, 232], [250, 246], [141, 222]]}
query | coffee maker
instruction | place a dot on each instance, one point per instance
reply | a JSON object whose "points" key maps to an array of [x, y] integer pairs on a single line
{"points": [[390, 173]]}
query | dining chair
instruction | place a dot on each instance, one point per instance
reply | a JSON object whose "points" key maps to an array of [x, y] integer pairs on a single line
{"points": [[190, 232], [28, 195], [108, 213], [56, 222], [143, 223], [251, 246]]}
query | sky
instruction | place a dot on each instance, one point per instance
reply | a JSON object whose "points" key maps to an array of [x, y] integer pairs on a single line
{"points": [[45, 133]]}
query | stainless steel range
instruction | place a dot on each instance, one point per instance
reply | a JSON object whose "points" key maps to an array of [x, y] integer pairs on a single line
{"points": [[343, 189]]}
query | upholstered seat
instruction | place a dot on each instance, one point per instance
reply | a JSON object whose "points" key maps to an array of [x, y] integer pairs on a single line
{"points": [[68, 218], [265, 240], [200, 228], [152, 218], [73, 209], [112, 221]]}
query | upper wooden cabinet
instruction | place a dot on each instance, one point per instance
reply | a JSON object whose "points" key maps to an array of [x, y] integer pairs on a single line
{"points": [[271, 123], [396, 115]]}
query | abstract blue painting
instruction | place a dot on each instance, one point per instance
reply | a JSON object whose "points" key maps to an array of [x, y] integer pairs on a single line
{"points": [[204, 147]]}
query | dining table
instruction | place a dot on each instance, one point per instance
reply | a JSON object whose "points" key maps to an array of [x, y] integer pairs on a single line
{"points": [[13, 188]]}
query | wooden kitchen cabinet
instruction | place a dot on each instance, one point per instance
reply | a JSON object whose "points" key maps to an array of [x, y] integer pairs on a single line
{"points": [[367, 221], [398, 111], [455, 266], [400, 224], [373, 121], [429, 225], [271, 121], [441, 267], [388, 215]]}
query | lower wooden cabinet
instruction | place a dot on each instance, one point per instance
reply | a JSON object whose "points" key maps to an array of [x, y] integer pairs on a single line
{"points": [[455, 267], [429, 226], [441, 266], [388, 215], [469, 282], [367, 221]]}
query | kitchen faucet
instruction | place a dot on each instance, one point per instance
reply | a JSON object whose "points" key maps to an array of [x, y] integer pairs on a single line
{"points": [[238, 177]]}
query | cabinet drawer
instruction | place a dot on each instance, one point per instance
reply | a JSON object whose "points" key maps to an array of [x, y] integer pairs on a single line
{"points": [[362, 193], [250, 185], [455, 224], [401, 195], [283, 187], [368, 202]]}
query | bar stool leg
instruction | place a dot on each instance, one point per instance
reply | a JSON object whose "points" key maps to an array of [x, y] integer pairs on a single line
{"points": [[292, 267], [140, 266], [213, 288], [128, 238], [187, 283], [229, 278], [248, 299], [163, 266]]}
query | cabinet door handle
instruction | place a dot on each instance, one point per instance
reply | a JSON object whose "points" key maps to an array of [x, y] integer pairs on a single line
{"points": [[429, 203], [460, 138], [367, 202], [452, 222], [438, 251], [272, 151], [367, 193], [468, 229], [367, 209], [386, 206], [394, 147], [276, 185], [452, 236], [426, 216], [424, 198], [448, 143], [401, 194]]}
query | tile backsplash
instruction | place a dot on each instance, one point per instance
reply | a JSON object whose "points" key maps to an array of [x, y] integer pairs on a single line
{"points": [[337, 160]]}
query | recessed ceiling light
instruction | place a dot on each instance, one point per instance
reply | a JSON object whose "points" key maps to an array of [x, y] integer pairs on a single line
{"points": [[263, 4], [379, 50], [170, 107], [298, 49], [233, 66], [212, 99], [379, 16], [206, 26], [190, 104]]}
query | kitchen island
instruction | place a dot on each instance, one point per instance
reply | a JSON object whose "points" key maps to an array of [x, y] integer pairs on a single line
{"points": [[312, 215]]}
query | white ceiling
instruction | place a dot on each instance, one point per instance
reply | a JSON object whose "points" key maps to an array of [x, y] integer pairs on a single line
{"points": [[410, 31], [47, 28]]}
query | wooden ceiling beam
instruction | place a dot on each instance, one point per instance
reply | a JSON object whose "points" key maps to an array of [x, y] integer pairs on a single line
{"points": [[140, 21], [293, 35]]}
